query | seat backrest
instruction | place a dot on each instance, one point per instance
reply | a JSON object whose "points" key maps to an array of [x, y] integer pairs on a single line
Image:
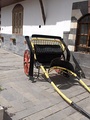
{"points": [[46, 53], [47, 48]]}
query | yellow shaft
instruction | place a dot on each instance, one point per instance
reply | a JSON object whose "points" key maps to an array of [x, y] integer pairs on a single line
{"points": [[84, 85], [61, 94], [55, 87], [46, 74], [79, 80]]}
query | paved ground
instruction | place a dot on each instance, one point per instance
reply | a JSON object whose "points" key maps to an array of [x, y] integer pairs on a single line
{"points": [[25, 100]]}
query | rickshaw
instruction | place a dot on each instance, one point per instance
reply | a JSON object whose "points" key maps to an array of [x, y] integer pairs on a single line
{"points": [[47, 52]]}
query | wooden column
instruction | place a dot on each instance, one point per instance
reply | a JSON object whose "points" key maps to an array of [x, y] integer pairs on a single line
{"points": [[43, 12]]}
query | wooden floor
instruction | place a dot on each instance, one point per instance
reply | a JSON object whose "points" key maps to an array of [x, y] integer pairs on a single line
{"points": [[24, 100]]}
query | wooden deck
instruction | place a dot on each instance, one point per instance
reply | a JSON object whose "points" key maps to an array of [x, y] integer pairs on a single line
{"points": [[25, 100]]}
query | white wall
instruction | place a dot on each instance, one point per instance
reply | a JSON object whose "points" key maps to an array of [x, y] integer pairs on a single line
{"points": [[6, 20], [58, 17]]}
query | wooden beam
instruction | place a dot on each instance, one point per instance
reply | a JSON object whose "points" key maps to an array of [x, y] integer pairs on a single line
{"points": [[4, 3], [43, 12], [88, 6]]}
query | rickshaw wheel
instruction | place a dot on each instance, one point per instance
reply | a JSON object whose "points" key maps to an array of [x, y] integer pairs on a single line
{"points": [[26, 62]]}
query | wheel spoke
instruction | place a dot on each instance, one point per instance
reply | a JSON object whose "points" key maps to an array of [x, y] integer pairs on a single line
{"points": [[26, 62]]}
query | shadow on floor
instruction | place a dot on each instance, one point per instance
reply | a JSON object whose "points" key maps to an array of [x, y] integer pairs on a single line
{"points": [[6, 116]]}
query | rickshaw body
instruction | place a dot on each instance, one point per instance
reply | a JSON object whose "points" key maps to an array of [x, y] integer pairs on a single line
{"points": [[50, 52], [47, 50]]}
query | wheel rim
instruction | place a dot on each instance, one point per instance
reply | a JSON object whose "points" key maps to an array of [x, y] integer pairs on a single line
{"points": [[26, 62]]}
